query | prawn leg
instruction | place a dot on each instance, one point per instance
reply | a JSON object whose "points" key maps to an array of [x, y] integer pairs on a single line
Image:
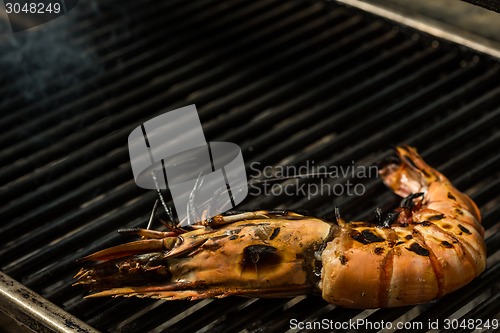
{"points": [[132, 248], [148, 233], [219, 220], [189, 291]]}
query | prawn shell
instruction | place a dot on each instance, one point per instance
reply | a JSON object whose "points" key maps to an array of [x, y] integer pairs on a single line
{"points": [[453, 262], [445, 193], [253, 258], [214, 262], [433, 246], [413, 279], [377, 272], [462, 231]]}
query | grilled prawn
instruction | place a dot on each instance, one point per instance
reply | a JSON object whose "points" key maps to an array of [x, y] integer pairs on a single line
{"points": [[430, 246]]}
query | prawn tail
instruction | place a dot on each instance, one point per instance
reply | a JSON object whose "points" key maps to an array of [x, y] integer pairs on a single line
{"points": [[410, 174]]}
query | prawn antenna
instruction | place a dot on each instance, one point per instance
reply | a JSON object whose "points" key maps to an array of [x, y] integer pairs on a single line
{"points": [[168, 211], [153, 213], [340, 221]]}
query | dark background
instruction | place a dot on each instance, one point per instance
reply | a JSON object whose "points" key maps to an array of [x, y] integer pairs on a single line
{"points": [[289, 82]]}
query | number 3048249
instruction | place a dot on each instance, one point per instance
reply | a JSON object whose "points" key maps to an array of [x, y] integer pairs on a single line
{"points": [[471, 324], [33, 8]]}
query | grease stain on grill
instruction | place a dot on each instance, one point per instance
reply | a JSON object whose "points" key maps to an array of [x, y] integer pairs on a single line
{"points": [[418, 249], [464, 229], [366, 237]]}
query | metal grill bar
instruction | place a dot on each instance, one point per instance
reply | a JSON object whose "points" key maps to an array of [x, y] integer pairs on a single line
{"points": [[37, 314]]}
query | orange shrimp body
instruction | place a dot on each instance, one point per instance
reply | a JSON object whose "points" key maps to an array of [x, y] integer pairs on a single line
{"points": [[432, 249], [433, 246]]}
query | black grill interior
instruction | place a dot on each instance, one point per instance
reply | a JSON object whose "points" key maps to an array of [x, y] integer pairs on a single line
{"points": [[289, 82]]}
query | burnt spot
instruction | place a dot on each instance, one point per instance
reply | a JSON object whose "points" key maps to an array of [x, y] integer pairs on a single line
{"points": [[233, 237], [385, 220], [317, 267], [446, 226], [343, 260], [436, 217], [458, 211], [426, 174], [256, 253], [425, 223], [446, 244], [450, 196], [464, 229], [260, 259], [421, 251], [275, 233], [410, 162], [390, 219], [379, 250], [408, 237], [366, 237]]}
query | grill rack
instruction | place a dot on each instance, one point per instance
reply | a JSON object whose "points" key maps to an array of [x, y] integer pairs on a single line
{"points": [[287, 81]]}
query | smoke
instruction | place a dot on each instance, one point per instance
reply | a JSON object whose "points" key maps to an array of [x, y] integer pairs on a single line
{"points": [[46, 59]]}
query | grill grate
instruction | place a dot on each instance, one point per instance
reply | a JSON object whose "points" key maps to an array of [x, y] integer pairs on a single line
{"points": [[289, 82]]}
